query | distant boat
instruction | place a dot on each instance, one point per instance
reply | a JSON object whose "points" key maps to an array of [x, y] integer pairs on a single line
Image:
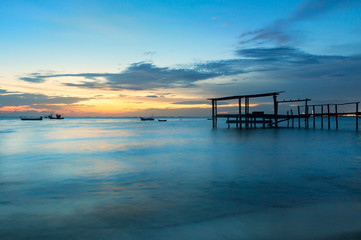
{"points": [[31, 118], [146, 118], [162, 120], [57, 116]]}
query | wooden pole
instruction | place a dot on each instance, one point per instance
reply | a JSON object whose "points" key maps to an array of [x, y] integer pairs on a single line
{"points": [[328, 116], [356, 116], [336, 116], [216, 113], [275, 106], [293, 120], [213, 119], [299, 117], [246, 106], [228, 122], [314, 116], [322, 116], [306, 112]]}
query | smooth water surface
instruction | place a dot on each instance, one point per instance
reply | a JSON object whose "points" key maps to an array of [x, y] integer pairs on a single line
{"points": [[121, 178]]}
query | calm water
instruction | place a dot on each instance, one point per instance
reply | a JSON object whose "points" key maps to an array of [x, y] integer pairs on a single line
{"points": [[120, 178]]}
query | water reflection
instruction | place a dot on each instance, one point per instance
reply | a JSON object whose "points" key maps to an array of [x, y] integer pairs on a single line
{"points": [[126, 179]]}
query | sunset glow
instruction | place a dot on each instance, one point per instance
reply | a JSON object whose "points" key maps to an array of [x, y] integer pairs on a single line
{"points": [[132, 58]]}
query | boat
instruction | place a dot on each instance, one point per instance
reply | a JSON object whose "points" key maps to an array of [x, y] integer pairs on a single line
{"points": [[31, 118], [57, 116], [162, 120], [146, 118]]}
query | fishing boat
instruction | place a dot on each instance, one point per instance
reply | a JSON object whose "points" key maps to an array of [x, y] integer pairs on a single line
{"points": [[31, 118], [162, 120], [146, 118], [57, 116]]}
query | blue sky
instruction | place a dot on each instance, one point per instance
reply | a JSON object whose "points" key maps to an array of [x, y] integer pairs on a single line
{"points": [[122, 58]]}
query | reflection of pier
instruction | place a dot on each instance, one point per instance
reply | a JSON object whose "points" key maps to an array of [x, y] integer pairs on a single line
{"points": [[245, 119]]}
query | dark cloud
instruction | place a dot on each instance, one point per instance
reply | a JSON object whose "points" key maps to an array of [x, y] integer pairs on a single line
{"points": [[192, 102], [284, 55], [323, 78], [34, 77], [257, 70], [279, 33], [147, 76], [138, 76], [28, 99], [152, 96], [198, 102], [85, 84]]}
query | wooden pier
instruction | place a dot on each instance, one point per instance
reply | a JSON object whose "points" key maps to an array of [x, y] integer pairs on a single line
{"points": [[246, 119]]}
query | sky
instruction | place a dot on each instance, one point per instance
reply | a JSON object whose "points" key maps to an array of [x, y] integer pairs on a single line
{"points": [[165, 58]]}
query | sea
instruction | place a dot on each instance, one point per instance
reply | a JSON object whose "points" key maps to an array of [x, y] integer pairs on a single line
{"points": [[122, 178]]}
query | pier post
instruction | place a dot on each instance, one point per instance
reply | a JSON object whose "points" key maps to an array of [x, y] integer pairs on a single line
{"points": [[314, 116], [228, 122], [215, 113], [357, 116], [293, 120], [336, 116], [246, 110], [306, 112], [322, 116], [275, 106], [299, 117], [328, 116], [213, 118]]}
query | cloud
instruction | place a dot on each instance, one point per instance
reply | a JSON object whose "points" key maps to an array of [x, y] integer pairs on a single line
{"points": [[192, 102], [28, 99], [152, 96], [150, 53], [85, 84], [138, 76], [256, 70], [284, 55], [198, 103], [315, 8], [3, 91], [278, 32], [34, 77]]}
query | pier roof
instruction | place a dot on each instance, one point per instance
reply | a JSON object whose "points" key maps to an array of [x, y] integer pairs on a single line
{"points": [[247, 96]]}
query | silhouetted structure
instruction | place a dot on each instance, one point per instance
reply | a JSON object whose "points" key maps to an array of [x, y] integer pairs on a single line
{"points": [[250, 120]]}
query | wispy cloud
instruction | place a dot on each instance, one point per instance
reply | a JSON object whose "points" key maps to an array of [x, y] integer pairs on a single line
{"points": [[279, 33], [138, 76], [34, 77], [192, 102], [28, 99]]}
